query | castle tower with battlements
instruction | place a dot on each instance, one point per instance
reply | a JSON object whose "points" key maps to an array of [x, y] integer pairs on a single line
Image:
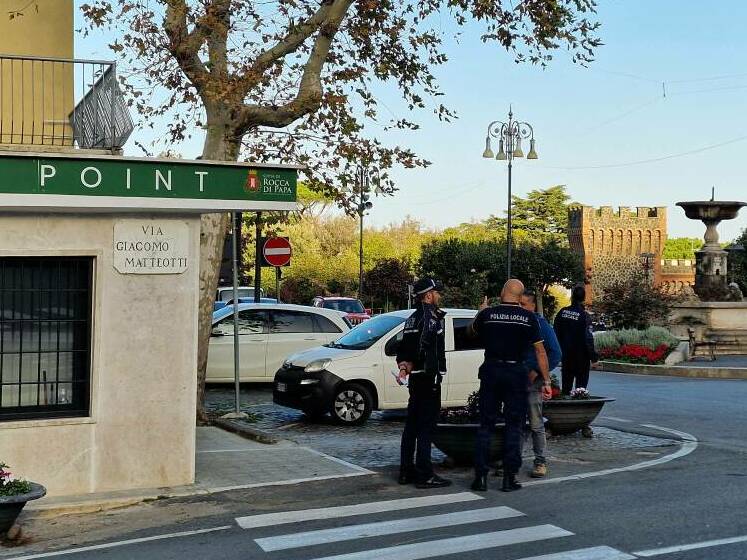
{"points": [[614, 245]]}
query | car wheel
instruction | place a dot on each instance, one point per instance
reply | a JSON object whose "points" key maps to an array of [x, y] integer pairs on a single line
{"points": [[352, 404]]}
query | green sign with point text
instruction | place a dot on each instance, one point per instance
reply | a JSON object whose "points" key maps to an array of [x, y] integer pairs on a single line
{"points": [[157, 183]]}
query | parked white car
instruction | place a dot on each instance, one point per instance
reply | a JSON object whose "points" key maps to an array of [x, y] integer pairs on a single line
{"points": [[268, 334], [352, 376]]}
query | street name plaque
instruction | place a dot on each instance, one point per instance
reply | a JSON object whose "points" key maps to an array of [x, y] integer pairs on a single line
{"points": [[150, 246], [64, 181]]}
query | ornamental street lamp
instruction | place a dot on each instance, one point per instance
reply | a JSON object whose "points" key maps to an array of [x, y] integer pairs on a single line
{"points": [[509, 135]]}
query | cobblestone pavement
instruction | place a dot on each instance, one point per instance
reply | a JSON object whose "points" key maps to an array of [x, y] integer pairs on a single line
{"points": [[376, 444]]}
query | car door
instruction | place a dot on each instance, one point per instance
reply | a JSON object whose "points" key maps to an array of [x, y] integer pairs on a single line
{"points": [[291, 331], [463, 358], [253, 336], [396, 394]]}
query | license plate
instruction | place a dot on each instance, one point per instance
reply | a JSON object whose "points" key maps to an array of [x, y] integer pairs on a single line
{"points": [[282, 387]]}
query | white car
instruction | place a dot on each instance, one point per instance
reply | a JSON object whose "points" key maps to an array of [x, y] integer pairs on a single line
{"points": [[352, 376], [268, 333]]}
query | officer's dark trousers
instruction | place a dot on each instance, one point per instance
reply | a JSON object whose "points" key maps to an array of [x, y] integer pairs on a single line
{"points": [[507, 385], [422, 414], [575, 369]]}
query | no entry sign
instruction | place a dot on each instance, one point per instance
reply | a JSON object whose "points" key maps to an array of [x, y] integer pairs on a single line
{"points": [[277, 251]]}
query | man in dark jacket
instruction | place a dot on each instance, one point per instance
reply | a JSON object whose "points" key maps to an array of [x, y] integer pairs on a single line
{"points": [[573, 327], [421, 358]]}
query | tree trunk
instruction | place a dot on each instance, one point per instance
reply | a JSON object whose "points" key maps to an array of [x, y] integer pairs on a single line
{"points": [[220, 144]]}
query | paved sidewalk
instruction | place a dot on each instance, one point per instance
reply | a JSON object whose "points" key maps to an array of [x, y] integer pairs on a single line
{"points": [[224, 461]]}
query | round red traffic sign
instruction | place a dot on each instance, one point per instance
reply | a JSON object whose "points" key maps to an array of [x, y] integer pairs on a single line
{"points": [[277, 251]]}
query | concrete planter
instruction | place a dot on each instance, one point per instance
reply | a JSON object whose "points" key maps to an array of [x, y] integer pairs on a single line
{"points": [[566, 416], [11, 506], [458, 442]]}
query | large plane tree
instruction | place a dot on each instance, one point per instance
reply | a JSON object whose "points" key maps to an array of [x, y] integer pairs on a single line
{"points": [[300, 81]]}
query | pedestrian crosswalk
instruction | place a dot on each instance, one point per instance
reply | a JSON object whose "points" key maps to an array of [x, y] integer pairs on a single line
{"points": [[369, 540]]}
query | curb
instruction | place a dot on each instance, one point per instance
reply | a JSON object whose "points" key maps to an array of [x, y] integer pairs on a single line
{"points": [[241, 429], [674, 371]]}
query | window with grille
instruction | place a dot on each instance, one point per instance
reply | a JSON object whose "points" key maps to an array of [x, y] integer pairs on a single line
{"points": [[45, 336]]}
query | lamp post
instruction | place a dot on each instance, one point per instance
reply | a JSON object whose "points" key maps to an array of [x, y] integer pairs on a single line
{"points": [[509, 135], [363, 184]]}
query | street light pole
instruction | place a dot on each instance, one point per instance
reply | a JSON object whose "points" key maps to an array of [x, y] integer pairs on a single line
{"points": [[509, 135]]}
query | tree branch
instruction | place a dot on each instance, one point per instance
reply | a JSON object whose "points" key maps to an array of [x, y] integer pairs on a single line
{"points": [[309, 96], [185, 46]]}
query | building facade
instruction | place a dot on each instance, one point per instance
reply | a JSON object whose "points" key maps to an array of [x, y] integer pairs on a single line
{"points": [[617, 244]]}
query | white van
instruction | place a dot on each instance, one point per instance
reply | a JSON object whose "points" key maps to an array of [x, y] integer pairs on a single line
{"points": [[352, 376]]}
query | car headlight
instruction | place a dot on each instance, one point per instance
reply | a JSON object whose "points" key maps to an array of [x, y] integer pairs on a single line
{"points": [[317, 366]]}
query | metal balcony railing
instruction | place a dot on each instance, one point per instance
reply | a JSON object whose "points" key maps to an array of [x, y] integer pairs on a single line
{"points": [[62, 102]]}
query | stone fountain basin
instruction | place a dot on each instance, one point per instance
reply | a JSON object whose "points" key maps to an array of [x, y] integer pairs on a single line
{"points": [[711, 209]]}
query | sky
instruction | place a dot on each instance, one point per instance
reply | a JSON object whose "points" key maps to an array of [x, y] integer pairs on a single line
{"points": [[660, 116]]}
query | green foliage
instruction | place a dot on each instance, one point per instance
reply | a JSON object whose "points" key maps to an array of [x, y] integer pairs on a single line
{"points": [[470, 270], [681, 248], [652, 338], [300, 290], [738, 263], [386, 284], [634, 304], [11, 486], [543, 212]]}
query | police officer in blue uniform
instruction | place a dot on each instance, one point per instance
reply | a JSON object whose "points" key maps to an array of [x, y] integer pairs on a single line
{"points": [[421, 358], [573, 327], [507, 332]]}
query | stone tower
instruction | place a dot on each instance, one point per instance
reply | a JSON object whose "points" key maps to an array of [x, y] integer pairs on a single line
{"points": [[611, 244]]}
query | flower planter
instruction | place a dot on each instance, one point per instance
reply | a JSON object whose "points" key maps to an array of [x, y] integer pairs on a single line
{"points": [[11, 506], [458, 442], [566, 416]]}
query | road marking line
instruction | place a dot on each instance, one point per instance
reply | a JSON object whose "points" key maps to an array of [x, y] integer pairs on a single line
{"points": [[284, 482], [269, 519], [693, 546], [120, 543], [377, 529], [456, 545], [339, 461], [684, 435], [595, 553], [688, 445]]}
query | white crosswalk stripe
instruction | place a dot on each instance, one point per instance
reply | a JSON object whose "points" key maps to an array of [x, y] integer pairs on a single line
{"points": [[456, 545], [422, 547], [595, 553], [382, 528], [271, 519]]}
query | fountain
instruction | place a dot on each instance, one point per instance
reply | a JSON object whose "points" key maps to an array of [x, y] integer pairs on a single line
{"points": [[711, 261], [717, 317]]}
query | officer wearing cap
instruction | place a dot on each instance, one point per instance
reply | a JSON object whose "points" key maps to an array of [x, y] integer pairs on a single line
{"points": [[507, 332], [422, 364]]}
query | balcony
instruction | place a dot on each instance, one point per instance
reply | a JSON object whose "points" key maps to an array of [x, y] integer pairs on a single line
{"points": [[48, 102]]}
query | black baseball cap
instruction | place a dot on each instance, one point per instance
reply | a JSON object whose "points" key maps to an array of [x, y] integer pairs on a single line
{"points": [[425, 285]]}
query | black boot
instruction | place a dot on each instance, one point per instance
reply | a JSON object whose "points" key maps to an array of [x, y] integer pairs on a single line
{"points": [[480, 484], [509, 483], [434, 481]]}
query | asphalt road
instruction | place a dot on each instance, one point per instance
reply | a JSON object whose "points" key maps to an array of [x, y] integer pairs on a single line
{"points": [[690, 501]]}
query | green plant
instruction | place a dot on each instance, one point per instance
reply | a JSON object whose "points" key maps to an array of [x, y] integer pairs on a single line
{"points": [[652, 338], [634, 304], [10, 485]]}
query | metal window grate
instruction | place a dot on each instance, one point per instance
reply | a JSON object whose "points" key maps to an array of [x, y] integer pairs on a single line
{"points": [[45, 336]]}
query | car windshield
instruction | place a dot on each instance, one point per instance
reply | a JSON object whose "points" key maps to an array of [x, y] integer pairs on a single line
{"points": [[366, 334], [344, 305]]}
